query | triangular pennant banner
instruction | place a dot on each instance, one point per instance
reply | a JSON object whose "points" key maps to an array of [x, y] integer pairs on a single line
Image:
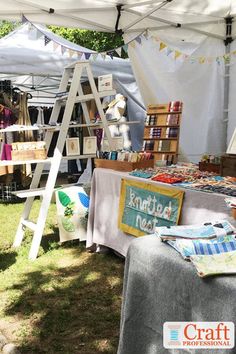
{"points": [[125, 48], [201, 60], [118, 51], [234, 52], [79, 55], [111, 54], [87, 55], [192, 60], [55, 46], [146, 35], [169, 51], [39, 34], [132, 44], [103, 56], [94, 56], [138, 40], [226, 58], [218, 60], [24, 19], [71, 53], [63, 49], [162, 46], [46, 40], [177, 54]]}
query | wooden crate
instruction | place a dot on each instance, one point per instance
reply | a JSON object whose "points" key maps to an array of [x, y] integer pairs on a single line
{"points": [[123, 165], [228, 165], [210, 167], [23, 155]]}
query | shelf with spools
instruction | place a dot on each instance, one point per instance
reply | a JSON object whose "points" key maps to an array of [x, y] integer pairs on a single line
{"points": [[161, 131]]}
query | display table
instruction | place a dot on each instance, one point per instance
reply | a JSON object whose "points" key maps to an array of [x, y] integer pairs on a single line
{"points": [[197, 207], [159, 286]]}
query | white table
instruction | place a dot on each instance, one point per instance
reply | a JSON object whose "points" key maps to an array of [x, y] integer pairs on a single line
{"points": [[103, 229]]}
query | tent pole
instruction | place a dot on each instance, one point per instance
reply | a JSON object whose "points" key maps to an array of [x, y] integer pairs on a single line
{"points": [[228, 40]]}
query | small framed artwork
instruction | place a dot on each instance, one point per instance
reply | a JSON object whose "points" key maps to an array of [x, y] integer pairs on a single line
{"points": [[90, 145], [232, 144], [72, 146]]}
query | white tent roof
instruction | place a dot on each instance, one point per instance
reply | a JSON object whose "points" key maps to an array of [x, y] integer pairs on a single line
{"points": [[101, 15]]}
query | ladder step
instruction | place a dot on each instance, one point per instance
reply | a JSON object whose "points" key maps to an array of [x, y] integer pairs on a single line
{"points": [[25, 193], [89, 97], [23, 162], [30, 224]]}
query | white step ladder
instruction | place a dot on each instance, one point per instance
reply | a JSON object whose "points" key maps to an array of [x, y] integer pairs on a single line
{"points": [[74, 95]]}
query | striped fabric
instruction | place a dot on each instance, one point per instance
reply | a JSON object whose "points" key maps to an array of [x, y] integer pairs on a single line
{"points": [[214, 247]]}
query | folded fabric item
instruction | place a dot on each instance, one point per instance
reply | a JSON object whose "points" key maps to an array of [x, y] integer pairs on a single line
{"points": [[206, 231], [165, 178], [189, 248], [224, 263]]}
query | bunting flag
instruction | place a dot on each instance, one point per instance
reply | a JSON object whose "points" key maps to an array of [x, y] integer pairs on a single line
{"points": [[169, 51], [55, 46], [39, 35], [71, 53], [79, 55], [125, 48], [103, 56], [132, 44], [63, 49], [146, 35], [177, 54], [94, 56], [111, 54], [201, 60], [162, 46], [138, 40], [24, 19], [46, 40], [87, 55], [118, 51]]}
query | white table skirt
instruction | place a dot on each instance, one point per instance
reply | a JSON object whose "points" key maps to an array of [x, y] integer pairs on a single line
{"points": [[198, 207]]}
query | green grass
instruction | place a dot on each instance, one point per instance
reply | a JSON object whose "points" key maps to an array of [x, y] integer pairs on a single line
{"points": [[67, 301]]}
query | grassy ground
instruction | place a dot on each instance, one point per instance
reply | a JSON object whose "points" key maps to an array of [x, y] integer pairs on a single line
{"points": [[67, 301]]}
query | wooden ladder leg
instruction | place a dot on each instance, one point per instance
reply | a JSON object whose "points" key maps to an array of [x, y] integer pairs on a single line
{"points": [[21, 228]]}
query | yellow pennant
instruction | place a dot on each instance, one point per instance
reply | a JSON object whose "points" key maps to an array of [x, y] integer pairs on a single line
{"points": [[177, 54], [132, 44], [162, 46], [71, 53], [201, 60]]}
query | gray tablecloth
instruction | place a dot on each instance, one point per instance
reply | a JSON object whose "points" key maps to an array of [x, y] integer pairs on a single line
{"points": [[160, 286], [103, 229]]}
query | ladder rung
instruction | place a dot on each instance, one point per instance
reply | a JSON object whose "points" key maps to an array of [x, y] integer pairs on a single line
{"points": [[29, 192], [30, 224], [23, 162], [89, 97], [79, 157]]}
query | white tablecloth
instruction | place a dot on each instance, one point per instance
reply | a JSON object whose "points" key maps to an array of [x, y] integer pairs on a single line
{"points": [[103, 229]]}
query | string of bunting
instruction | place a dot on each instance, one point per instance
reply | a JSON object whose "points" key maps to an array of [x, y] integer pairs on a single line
{"points": [[138, 40], [72, 52]]}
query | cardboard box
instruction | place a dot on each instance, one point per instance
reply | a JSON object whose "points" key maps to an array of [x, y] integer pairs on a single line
{"points": [[123, 165]]}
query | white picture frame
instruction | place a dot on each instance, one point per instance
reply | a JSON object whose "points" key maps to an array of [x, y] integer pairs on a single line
{"points": [[105, 82], [72, 146], [232, 144], [89, 145], [118, 143]]}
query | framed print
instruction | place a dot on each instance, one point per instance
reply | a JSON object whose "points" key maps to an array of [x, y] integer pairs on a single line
{"points": [[118, 143], [72, 146], [90, 145], [232, 144]]}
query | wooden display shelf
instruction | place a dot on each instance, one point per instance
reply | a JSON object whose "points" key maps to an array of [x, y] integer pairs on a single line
{"points": [[162, 126], [125, 166], [160, 113], [150, 138]]}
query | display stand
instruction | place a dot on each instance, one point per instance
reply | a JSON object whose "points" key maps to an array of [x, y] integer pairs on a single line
{"points": [[70, 92], [161, 131]]}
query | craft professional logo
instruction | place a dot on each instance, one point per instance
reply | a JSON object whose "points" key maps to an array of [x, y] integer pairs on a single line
{"points": [[196, 335]]}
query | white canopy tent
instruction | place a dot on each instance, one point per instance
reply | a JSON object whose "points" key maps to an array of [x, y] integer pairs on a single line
{"points": [[195, 28], [37, 68]]}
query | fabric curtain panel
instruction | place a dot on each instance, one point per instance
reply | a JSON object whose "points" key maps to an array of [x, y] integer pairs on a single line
{"points": [[200, 86], [232, 101]]}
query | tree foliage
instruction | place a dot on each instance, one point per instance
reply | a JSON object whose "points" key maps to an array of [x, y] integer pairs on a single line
{"points": [[7, 27], [98, 41]]}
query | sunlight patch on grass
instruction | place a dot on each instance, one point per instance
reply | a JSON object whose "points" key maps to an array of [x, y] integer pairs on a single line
{"points": [[92, 276]]}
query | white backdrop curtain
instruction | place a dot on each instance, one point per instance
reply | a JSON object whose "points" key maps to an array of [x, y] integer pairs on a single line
{"points": [[200, 87], [232, 96]]}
